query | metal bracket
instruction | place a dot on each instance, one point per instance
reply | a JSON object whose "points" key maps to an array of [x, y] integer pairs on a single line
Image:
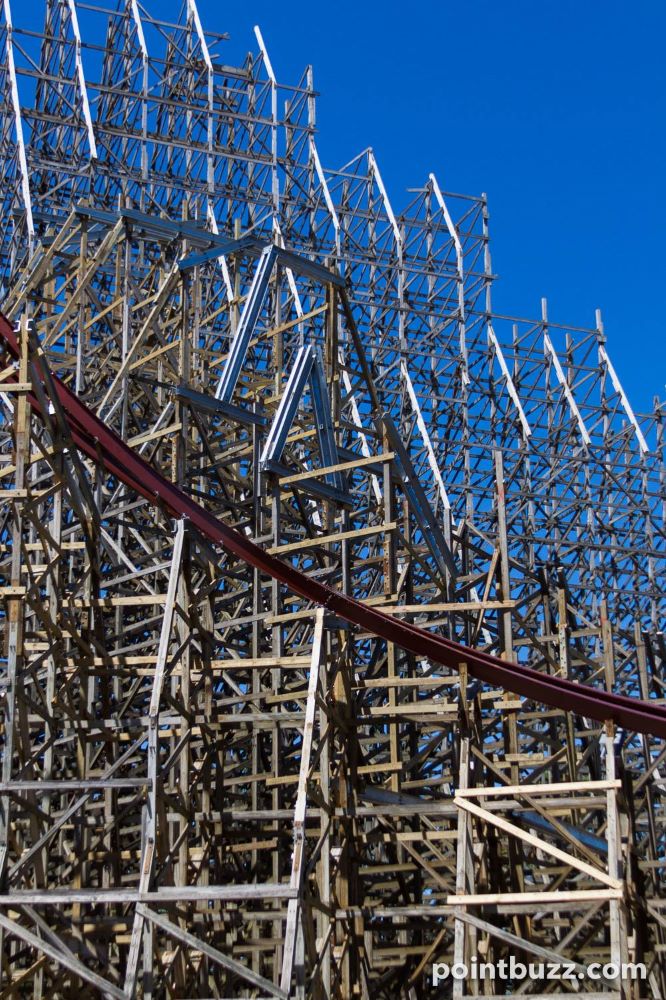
{"points": [[308, 368], [246, 325]]}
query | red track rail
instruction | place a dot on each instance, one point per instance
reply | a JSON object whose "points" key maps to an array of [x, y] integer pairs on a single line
{"points": [[98, 441]]}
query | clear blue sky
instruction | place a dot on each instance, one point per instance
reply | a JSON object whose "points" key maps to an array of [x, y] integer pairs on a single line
{"points": [[555, 108]]}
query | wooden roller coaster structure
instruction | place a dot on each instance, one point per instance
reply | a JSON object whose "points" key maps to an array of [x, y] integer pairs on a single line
{"points": [[331, 601]]}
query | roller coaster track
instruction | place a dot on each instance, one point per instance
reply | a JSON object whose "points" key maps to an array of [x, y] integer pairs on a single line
{"points": [[99, 442]]}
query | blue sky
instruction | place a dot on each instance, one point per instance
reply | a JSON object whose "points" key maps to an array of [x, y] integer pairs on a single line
{"points": [[555, 108]]}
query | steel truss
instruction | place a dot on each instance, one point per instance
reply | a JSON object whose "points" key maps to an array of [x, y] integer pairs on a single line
{"points": [[209, 786]]}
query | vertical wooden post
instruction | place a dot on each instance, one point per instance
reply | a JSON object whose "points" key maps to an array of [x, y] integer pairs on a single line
{"points": [[464, 871], [617, 916]]}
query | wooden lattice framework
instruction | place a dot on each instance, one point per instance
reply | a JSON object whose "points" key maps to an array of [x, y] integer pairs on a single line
{"points": [[211, 786]]}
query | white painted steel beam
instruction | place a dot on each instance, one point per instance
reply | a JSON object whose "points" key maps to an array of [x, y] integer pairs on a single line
{"points": [[291, 281], [324, 186], [561, 378], [222, 260], [385, 198], [274, 115], [18, 126], [194, 14], [511, 389], [423, 430], [453, 233], [134, 8], [92, 145], [617, 385]]}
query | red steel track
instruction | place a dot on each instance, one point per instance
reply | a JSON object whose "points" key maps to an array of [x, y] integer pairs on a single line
{"points": [[99, 442]]}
